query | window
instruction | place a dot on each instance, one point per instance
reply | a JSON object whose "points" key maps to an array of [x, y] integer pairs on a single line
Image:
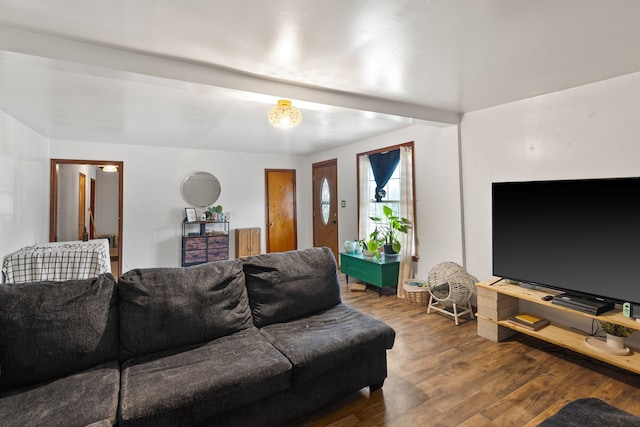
{"points": [[393, 189], [325, 201], [391, 198], [398, 194]]}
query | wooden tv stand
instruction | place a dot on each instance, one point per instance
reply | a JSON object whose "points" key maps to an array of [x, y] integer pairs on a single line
{"points": [[500, 301]]}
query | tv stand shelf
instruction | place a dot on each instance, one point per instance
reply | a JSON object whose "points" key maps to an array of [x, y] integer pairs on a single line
{"points": [[500, 301]]}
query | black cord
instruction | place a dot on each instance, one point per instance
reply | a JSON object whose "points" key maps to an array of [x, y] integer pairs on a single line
{"points": [[493, 283], [573, 356]]}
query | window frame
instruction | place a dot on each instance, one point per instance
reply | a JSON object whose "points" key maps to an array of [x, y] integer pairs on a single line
{"points": [[413, 177]]}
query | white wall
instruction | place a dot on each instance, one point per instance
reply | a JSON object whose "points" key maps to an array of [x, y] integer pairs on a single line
{"points": [[590, 131], [24, 186], [587, 132], [153, 205], [438, 212]]}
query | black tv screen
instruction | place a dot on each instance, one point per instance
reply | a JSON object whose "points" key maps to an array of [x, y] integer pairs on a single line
{"points": [[579, 236]]}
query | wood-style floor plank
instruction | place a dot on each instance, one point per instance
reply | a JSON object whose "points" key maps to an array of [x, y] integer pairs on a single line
{"points": [[445, 375]]}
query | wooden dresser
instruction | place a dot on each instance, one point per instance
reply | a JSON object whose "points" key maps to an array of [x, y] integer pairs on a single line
{"points": [[204, 241]]}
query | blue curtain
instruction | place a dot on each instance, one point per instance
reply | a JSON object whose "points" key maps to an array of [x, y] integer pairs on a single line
{"points": [[383, 165]]}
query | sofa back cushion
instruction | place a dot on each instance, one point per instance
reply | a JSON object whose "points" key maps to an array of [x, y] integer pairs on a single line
{"points": [[287, 285], [163, 308], [51, 329]]}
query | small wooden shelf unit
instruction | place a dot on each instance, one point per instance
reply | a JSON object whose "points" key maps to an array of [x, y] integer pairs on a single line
{"points": [[500, 301], [247, 242]]}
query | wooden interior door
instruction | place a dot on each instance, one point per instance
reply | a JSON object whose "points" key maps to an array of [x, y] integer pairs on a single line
{"points": [[325, 205], [281, 231], [92, 209], [82, 200]]}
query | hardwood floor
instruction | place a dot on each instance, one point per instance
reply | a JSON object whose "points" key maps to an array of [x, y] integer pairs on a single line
{"points": [[445, 375]]}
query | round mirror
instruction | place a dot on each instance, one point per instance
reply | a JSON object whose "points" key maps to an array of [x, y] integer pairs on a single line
{"points": [[200, 189]]}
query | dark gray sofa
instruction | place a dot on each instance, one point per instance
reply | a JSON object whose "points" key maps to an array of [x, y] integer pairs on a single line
{"points": [[259, 341]]}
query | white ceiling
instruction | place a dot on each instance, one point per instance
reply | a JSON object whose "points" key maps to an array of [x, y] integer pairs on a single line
{"points": [[203, 74]]}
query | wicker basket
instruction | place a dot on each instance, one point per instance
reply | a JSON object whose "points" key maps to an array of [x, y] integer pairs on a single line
{"points": [[416, 294]]}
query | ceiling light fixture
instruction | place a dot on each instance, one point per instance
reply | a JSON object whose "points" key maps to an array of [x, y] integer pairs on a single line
{"points": [[109, 168], [285, 115]]}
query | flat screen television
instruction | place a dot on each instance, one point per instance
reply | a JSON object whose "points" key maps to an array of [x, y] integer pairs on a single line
{"points": [[579, 236]]}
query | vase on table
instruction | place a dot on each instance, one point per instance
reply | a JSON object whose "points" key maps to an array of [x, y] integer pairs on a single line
{"points": [[615, 342]]}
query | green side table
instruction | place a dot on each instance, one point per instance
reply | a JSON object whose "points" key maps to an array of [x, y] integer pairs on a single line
{"points": [[381, 273]]}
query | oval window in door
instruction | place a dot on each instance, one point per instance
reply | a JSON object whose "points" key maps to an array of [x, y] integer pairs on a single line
{"points": [[325, 197]]}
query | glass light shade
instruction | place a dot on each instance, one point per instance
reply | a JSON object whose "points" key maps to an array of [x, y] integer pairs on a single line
{"points": [[109, 168], [284, 115]]}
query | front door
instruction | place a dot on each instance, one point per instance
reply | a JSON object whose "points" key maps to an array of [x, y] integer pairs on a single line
{"points": [[281, 210], [325, 205]]}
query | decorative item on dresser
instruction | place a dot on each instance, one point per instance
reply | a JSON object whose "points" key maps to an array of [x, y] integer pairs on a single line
{"points": [[247, 242], [190, 214], [204, 241]]}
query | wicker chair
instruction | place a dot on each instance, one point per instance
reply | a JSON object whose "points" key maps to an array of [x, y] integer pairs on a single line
{"points": [[451, 288]]}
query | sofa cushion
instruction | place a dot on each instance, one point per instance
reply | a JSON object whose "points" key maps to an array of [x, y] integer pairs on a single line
{"points": [[327, 340], [87, 398], [287, 285], [196, 383], [163, 308], [52, 329]]}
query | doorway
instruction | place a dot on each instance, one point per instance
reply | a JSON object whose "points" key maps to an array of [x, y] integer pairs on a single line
{"points": [[325, 205], [58, 190], [281, 234]]}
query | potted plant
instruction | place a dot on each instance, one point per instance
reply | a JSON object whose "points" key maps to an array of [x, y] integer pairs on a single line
{"points": [[615, 333], [387, 229], [370, 247], [214, 212]]}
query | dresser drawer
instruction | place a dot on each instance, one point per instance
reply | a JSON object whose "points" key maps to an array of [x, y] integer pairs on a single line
{"points": [[195, 243], [195, 256], [369, 274], [218, 241], [216, 254]]}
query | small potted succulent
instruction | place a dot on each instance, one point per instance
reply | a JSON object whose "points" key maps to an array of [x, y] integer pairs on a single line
{"points": [[370, 248], [615, 333]]}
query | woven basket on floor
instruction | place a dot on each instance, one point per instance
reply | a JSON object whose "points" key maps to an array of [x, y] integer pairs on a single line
{"points": [[415, 294]]}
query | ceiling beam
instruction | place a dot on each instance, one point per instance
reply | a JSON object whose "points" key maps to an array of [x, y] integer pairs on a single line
{"points": [[130, 61]]}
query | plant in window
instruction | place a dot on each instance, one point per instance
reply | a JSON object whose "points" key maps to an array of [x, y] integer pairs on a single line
{"points": [[387, 229]]}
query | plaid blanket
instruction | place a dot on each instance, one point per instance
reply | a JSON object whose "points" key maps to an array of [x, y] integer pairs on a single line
{"points": [[57, 261]]}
